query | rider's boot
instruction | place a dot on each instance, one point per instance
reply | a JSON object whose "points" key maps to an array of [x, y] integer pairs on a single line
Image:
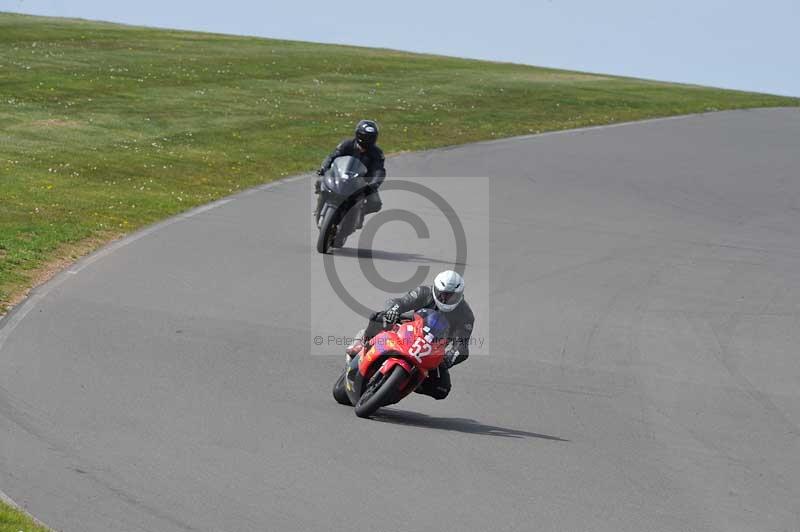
{"points": [[319, 205], [319, 198], [355, 346]]}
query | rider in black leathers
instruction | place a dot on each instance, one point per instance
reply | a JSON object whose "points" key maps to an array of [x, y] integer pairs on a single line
{"points": [[363, 147], [461, 320]]}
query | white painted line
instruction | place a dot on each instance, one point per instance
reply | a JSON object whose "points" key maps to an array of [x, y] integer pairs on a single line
{"points": [[206, 208], [587, 129]]}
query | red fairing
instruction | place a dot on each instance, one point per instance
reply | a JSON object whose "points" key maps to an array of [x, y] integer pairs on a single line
{"points": [[411, 342], [416, 345], [392, 362]]}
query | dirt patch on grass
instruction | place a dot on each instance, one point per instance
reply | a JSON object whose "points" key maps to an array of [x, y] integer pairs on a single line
{"points": [[64, 257]]}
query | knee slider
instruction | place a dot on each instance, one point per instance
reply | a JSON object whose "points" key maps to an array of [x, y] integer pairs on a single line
{"points": [[440, 392]]}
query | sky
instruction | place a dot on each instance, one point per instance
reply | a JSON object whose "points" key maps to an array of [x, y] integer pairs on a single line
{"points": [[746, 45]]}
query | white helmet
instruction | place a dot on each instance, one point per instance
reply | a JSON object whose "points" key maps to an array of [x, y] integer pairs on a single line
{"points": [[448, 290]]}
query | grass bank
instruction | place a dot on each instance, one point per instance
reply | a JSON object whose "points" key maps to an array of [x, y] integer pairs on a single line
{"points": [[105, 128], [12, 520]]}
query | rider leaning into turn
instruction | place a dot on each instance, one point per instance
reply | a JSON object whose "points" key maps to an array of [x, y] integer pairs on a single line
{"points": [[364, 148], [446, 295]]}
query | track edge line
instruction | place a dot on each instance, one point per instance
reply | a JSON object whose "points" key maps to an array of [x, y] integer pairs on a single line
{"points": [[8, 501]]}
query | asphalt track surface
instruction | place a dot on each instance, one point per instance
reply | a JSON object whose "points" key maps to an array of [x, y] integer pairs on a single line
{"points": [[640, 370]]}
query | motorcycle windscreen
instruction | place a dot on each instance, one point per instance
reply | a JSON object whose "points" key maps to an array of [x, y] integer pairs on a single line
{"points": [[346, 176], [348, 165]]}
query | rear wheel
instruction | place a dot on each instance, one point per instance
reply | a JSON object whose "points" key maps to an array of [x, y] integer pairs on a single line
{"points": [[339, 392], [327, 231], [382, 390]]}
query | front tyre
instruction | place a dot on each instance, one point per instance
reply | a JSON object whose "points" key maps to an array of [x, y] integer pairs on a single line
{"points": [[381, 391], [327, 231]]}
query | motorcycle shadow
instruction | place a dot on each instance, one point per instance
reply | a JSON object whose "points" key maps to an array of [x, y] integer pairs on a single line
{"points": [[457, 424], [377, 254]]}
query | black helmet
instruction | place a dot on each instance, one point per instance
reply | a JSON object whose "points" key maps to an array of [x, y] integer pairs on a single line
{"points": [[367, 133]]}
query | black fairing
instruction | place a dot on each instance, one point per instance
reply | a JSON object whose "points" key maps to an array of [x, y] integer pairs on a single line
{"points": [[344, 180], [344, 189]]}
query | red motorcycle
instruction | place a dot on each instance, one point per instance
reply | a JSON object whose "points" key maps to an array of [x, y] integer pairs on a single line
{"points": [[394, 363]]}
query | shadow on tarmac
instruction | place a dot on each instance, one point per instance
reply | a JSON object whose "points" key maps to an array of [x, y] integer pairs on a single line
{"points": [[457, 424], [377, 254]]}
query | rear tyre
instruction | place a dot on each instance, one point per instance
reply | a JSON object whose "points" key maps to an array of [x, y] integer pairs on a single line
{"points": [[382, 391], [339, 392], [327, 230]]}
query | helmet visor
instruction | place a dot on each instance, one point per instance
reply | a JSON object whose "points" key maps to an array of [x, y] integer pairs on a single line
{"points": [[365, 141], [447, 298]]}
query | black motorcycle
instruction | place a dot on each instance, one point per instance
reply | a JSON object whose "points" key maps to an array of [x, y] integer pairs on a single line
{"points": [[343, 190]]}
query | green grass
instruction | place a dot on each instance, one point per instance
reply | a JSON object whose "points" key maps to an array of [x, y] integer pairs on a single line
{"points": [[105, 128], [12, 520]]}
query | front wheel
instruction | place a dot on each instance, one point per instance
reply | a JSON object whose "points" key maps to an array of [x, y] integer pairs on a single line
{"points": [[327, 231], [381, 391]]}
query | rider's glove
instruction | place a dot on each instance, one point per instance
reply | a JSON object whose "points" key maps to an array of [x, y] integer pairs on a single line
{"points": [[321, 171], [392, 314], [450, 358]]}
